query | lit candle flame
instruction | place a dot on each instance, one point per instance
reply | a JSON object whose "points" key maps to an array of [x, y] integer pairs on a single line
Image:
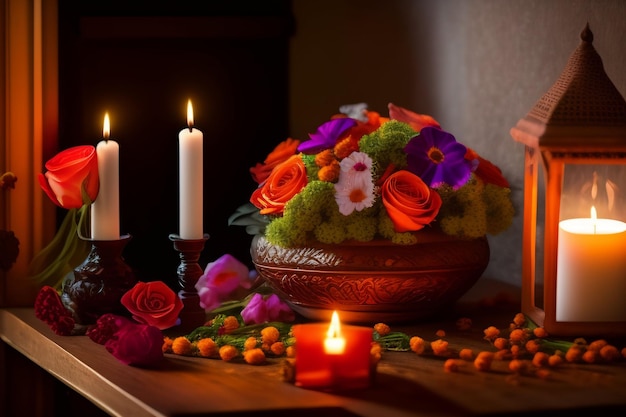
{"points": [[334, 343], [106, 129], [334, 330], [189, 114]]}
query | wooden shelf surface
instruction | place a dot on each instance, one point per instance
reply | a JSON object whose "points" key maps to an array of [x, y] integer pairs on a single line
{"points": [[405, 384]]}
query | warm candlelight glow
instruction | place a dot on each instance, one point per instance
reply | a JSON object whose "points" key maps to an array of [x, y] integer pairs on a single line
{"points": [[335, 356], [189, 114], [334, 344], [106, 129]]}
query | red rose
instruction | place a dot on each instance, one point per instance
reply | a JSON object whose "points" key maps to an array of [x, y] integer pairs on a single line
{"points": [[69, 173], [153, 303], [285, 181], [410, 203]]}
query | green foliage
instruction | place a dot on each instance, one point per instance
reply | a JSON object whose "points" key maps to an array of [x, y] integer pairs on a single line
{"points": [[386, 146]]}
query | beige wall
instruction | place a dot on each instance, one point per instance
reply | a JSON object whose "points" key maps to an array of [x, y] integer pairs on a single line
{"points": [[477, 66]]}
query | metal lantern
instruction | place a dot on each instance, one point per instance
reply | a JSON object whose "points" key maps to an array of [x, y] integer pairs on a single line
{"points": [[574, 233]]}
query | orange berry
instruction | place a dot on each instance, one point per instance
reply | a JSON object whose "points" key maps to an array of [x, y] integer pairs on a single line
{"points": [[277, 348], [515, 351], [574, 354], [483, 361], [555, 360], [181, 346], [517, 365], [230, 323], [596, 345], [491, 332], [206, 347], [533, 346], [452, 365], [540, 359], [270, 334], [417, 344], [439, 347], [228, 352], [517, 336], [591, 356], [466, 354], [382, 329], [519, 319], [501, 343], [254, 356], [609, 353], [250, 343]]}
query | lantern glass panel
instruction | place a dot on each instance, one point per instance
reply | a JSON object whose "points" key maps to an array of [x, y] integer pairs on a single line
{"points": [[591, 258], [593, 185]]}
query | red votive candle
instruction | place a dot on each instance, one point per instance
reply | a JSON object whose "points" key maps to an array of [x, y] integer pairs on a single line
{"points": [[334, 357]]}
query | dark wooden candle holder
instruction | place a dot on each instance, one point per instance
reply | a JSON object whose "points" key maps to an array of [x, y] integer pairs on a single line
{"points": [[189, 250], [97, 285]]}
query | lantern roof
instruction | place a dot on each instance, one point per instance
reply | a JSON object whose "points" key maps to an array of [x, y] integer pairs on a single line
{"points": [[583, 108]]}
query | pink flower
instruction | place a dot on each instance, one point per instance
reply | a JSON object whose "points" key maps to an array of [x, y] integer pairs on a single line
{"points": [[136, 344], [221, 280], [153, 303], [263, 310]]}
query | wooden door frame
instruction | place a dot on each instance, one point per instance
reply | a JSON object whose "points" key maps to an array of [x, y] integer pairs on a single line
{"points": [[28, 132]]}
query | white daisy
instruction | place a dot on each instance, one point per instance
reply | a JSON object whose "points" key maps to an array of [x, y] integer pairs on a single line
{"points": [[353, 195]]}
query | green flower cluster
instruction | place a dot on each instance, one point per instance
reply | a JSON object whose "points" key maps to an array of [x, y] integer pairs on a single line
{"points": [[475, 209]]}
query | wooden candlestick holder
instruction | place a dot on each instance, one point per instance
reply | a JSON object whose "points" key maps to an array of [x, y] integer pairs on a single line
{"points": [[189, 250], [96, 286]]}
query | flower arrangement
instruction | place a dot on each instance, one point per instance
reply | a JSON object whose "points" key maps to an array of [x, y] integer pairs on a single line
{"points": [[362, 176]]}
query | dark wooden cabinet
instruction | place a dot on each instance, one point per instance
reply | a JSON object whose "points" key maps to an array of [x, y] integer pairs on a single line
{"points": [[140, 62]]}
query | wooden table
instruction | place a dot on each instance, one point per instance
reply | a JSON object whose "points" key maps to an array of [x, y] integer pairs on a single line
{"points": [[406, 384]]}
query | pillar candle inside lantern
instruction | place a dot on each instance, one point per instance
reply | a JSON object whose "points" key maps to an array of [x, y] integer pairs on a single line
{"points": [[332, 358], [591, 270]]}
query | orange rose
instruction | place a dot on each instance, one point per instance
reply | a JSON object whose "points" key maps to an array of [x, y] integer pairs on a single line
{"points": [[69, 172], [281, 152], [410, 203], [285, 181], [153, 303]]}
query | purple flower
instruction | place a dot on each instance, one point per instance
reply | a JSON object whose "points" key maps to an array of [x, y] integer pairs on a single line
{"points": [[437, 158], [326, 135], [221, 279], [261, 310], [136, 344]]}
